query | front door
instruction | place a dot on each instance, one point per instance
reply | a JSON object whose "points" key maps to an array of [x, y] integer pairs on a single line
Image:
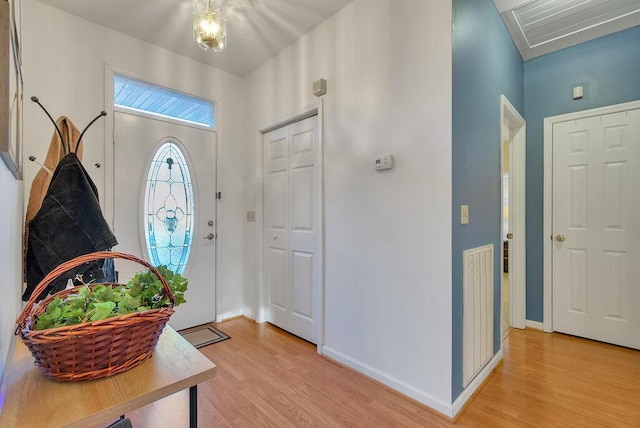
{"points": [[596, 228], [164, 206], [292, 207]]}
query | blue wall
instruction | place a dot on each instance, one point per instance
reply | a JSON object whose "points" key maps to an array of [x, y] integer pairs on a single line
{"points": [[609, 70], [486, 64]]}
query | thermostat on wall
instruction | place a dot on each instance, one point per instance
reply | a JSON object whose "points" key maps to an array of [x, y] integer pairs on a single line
{"points": [[384, 162]]}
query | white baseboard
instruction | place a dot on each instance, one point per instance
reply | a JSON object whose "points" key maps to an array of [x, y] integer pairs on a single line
{"points": [[475, 383], [245, 311], [535, 324], [248, 312], [390, 381], [230, 314]]}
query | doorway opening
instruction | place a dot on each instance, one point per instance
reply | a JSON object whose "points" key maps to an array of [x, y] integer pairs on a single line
{"points": [[512, 235], [157, 210], [504, 307]]}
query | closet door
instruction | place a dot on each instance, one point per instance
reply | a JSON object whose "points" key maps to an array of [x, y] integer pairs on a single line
{"points": [[596, 209], [292, 215]]}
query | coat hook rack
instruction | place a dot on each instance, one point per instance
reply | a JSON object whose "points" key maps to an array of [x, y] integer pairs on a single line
{"points": [[102, 113], [67, 147], [37, 101], [34, 159]]}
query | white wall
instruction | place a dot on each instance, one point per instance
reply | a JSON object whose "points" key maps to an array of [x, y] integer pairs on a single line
{"points": [[10, 260], [387, 234], [64, 65]]}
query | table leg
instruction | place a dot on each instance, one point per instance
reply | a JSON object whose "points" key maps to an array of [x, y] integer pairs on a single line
{"points": [[193, 406]]}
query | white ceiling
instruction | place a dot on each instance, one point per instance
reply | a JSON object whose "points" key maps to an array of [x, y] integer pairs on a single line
{"points": [[256, 30], [539, 27], [259, 29]]}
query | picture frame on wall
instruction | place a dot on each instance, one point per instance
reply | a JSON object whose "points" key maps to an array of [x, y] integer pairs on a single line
{"points": [[16, 26], [11, 87]]}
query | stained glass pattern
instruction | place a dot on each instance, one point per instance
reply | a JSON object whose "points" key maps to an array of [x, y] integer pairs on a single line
{"points": [[169, 208]]}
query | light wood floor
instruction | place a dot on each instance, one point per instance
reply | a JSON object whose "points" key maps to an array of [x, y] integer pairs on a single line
{"points": [[268, 378]]}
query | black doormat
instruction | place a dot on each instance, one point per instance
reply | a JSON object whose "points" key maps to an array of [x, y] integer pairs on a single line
{"points": [[203, 335]]}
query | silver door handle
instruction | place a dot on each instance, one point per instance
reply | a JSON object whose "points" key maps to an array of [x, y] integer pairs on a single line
{"points": [[210, 236], [561, 238]]}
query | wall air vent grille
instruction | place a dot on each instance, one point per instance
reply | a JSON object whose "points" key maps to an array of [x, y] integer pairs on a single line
{"points": [[477, 345]]}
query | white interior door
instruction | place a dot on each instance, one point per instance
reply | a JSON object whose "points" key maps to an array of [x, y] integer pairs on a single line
{"points": [[292, 207], [596, 227], [136, 141]]}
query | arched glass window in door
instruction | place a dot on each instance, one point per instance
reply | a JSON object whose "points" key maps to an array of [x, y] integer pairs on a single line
{"points": [[169, 208]]}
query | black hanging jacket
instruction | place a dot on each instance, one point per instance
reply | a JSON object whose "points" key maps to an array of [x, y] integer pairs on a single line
{"points": [[69, 224]]}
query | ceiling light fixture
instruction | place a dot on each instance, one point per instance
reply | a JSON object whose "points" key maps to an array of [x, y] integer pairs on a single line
{"points": [[209, 25]]}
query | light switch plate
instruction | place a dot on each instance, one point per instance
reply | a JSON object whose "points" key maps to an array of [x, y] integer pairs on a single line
{"points": [[464, 214]]}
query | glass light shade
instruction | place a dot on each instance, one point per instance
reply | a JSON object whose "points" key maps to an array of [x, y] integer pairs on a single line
{"points": [[209, 25]]}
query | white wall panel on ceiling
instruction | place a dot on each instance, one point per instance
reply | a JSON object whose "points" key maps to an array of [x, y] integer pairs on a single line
{"points": [[539, 27]]}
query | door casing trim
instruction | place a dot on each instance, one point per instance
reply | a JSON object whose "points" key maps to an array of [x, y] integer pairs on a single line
{"points": [[547, 237], [108, 202], [515, 123]]}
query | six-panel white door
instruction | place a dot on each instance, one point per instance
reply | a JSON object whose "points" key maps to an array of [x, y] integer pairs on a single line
{"points": [[596, 228], [136, 139], [292, 220]]}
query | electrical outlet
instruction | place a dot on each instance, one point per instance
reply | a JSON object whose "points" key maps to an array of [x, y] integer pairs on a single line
{"points": [[464, 214]]}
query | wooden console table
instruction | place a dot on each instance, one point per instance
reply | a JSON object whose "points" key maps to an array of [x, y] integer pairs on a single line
{"points": [[35, 401]]}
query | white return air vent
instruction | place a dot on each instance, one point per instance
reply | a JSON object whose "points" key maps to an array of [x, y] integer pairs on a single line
{"points": [[477, 345], [539, 27]]}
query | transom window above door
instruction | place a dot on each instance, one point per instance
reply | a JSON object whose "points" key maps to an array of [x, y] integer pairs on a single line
{"points": [[143, 97]]}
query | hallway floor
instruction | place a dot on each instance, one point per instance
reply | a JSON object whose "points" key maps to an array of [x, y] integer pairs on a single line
{"points": [[266, 377]]}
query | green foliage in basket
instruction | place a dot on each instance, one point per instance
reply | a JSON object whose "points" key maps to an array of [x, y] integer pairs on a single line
{"points": [[142, 293]]}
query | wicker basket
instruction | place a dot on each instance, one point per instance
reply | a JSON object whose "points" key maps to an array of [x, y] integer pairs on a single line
{"points": [[95, 349]]}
